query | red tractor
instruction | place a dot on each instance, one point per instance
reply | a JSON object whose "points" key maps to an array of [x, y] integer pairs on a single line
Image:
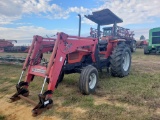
{"points": [[73, 54]]}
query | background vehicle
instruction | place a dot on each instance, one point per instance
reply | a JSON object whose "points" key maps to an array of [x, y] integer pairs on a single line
{"points": [[154, 41], [141, 43], [6, 44]]}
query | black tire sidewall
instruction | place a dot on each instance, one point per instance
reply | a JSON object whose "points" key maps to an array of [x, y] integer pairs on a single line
{"points": [[146, 50], [60, 79], [85, 78], [133, 45], [87, 81]]}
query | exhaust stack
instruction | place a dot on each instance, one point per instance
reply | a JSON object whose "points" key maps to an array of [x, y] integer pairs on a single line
{"points": [[79, 31]]}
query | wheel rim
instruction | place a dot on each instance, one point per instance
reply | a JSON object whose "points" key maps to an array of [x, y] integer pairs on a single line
{"points": [[126, 61], [134, 47], [92, 80]]}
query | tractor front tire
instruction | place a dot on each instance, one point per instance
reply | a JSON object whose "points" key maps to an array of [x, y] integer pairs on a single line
{"points": [[88, 80], [120, 60], [146, 51]]}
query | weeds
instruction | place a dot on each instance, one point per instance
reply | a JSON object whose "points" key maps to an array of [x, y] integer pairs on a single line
{"points": [[2, 117]]}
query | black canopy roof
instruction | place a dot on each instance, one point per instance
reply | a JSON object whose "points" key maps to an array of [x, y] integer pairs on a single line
{"points": [[104, 17]]}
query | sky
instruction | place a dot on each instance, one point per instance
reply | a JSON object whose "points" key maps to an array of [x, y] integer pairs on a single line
{"points": [[22, 19]]}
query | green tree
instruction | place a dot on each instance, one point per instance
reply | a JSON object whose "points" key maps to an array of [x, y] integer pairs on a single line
{"points": [[142, 37]]}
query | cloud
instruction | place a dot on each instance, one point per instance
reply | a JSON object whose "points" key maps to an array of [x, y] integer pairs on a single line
{"points": [[11, 10], [80, 10], [25, 32], [133, 11], [7, 19], [142, 31], [45, 9], [87, 21]]}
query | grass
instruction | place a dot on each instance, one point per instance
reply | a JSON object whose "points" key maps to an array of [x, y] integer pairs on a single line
{"points": [[136, 96], [65, 115], [105, 112], [135, 89], [2, 117]]}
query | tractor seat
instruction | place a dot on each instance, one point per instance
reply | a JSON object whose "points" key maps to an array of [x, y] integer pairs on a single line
{"points": [[114, 38], [102, 44]]}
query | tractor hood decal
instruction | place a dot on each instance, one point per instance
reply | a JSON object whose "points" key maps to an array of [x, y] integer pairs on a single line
{"points": [[38, 70]]}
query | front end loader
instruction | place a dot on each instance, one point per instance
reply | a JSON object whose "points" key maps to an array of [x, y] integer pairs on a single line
{"points": [[71, 54]]}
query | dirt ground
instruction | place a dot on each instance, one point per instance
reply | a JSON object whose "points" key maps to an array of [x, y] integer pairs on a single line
{"points": [[16, 111], [19, 111]]}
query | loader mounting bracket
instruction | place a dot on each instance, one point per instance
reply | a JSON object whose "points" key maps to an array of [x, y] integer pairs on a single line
{"points": [[44, 103], [21, 90]]}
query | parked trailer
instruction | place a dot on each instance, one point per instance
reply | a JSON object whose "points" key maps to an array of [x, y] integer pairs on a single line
{"points": [[9, 59], [18, 49], [154, 41]]}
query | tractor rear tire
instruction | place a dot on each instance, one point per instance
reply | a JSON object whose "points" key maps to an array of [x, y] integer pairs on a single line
{"points": [[133, 46], [88, 80], [146, 51], [120, 60], [60, 78]]}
